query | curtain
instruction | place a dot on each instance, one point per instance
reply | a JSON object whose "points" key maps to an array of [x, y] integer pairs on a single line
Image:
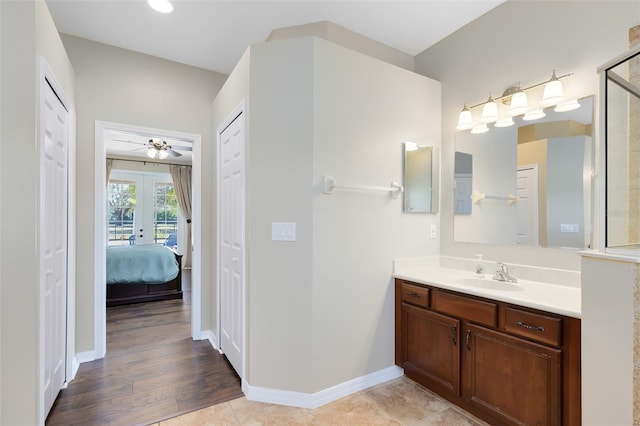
{"points": [[109, 166], [181, 176]]}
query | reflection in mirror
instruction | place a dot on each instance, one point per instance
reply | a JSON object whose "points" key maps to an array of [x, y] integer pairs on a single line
{"points": [[532, 182], [420, 164], [463, 183]]}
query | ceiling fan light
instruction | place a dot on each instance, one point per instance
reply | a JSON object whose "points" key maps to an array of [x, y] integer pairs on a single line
{"points": [[489, 111], [162, 154], [151, 152], [162, 6], [569, 105], [465, 120]]}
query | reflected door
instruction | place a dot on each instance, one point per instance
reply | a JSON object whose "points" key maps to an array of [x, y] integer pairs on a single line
{"points": [[527, 186]]}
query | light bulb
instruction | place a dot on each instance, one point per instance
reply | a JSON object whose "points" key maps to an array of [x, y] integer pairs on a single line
{"points": [[162, 6]]}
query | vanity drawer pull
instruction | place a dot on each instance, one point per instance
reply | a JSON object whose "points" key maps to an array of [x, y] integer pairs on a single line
{"points": [[541, 327], [468, 340], [530, 327], [415, 295]]}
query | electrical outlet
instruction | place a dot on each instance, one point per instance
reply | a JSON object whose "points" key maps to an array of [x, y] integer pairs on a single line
{"points": [[432, 231]]}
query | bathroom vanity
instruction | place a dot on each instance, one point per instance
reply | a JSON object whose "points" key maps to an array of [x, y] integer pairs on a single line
{"points": [[505, 362]]}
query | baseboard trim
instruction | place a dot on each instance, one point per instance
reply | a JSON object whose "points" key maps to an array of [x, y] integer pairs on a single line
{"points": [[82, 357], [318, 399], [208, 335]]}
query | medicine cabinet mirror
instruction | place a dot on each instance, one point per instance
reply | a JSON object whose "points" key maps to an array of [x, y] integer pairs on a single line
{"points": [[528, 184], [421, 173]]}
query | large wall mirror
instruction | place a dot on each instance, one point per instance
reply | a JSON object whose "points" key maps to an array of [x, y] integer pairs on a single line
{"points": [[421, 172], [528, 184]]}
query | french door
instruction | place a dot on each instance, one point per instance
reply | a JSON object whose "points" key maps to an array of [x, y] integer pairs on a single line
{"points": [[142, 209]]}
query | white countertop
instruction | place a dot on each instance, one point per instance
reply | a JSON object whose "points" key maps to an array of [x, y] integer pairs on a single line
{"points": [[559, 299]]}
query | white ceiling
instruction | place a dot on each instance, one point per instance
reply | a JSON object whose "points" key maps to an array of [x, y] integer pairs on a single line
{"points": [[213, 34]]}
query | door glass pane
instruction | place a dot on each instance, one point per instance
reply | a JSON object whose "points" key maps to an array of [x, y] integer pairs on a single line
{"points": [[165, 214], [122, 203]]}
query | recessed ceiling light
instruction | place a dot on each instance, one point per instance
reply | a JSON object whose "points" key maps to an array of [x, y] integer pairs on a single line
{"points": [[162, 6]]}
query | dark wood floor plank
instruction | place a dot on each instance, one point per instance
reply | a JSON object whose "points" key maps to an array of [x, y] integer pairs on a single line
{"points": [[153, 370]]}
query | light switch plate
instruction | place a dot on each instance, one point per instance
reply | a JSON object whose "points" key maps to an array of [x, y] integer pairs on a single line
{"points": [[281, 231], [569, 227]]}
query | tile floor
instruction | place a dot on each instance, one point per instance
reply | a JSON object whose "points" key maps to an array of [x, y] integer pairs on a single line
{"points": [[397, 402]]}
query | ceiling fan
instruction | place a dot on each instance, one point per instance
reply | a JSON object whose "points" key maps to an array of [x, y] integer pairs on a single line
{"points": [[158, 148]]}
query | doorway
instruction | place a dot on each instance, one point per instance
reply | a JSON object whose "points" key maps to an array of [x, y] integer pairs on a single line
{"points": [[527, 231], [101, 130]]}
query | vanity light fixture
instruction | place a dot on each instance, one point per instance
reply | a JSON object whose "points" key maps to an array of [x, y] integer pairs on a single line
{"points": [[489, 111], [505, 122], [569, 105], [517, 99], [465, 120], [519, 102], [479, 129], [533, 114], [162, 6], [552, 91]]}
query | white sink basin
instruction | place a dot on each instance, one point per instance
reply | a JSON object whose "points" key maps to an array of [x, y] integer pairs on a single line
{"points": [[488, 284]]}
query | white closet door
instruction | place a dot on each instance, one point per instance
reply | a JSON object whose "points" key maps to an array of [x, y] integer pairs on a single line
{"points": [[232, 241], [54, 122]]}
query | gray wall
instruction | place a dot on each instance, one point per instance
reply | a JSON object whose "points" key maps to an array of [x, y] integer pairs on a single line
{"points": [[521, 41], [26, 33], [320, 309], [122, 86]]}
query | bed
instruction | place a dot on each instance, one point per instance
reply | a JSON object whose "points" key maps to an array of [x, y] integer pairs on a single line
{"points": [[143, 273]]}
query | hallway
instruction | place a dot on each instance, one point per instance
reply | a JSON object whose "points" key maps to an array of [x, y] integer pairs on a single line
{"points": [[153, 369]]}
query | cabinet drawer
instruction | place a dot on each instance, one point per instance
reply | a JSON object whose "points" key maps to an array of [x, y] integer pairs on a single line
{"points": [[542, 328], [464, 307], [415, 295]]}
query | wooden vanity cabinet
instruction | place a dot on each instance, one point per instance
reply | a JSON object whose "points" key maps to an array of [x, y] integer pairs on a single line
{"points": [[506, 364]]}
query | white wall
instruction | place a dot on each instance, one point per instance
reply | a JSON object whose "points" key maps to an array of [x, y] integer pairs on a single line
{"points": [[320, 309], [279, 182], [607, 341], [26, 33], [121, 86], [364, 109], [521, 41]]}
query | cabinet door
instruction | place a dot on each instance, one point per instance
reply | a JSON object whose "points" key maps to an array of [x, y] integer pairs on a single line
{"points": [[515, 380], [431, 346]]}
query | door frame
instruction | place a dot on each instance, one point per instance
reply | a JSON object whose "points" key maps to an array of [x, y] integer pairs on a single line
{"points": [[100, 232], [533, 167], [235, 113], [47, 77]]}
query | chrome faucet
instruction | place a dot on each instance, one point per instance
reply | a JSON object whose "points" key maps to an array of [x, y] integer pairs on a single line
{"points": [[502, 274]]}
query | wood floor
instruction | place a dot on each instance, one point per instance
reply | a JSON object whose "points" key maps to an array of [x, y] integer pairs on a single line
{"points": [[153, 370]]}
